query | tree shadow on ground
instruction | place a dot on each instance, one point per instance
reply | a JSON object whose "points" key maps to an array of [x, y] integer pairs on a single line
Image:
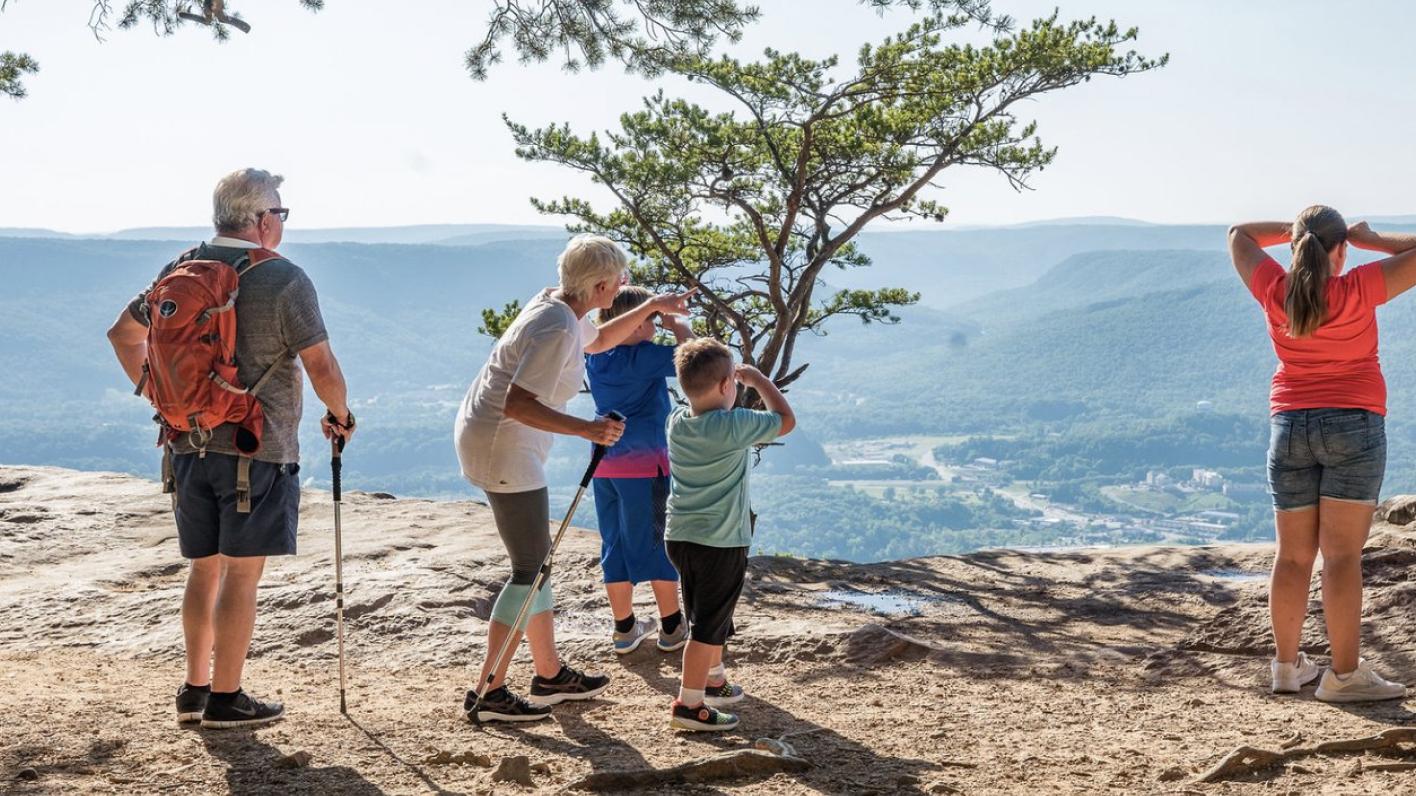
{"points": [[1016, 608], [251, 768], [100, 753], [412, 768], [839, 763], [1393, 712]]}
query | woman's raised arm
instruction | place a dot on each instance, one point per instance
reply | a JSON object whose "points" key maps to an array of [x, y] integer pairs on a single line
{"points": [[1399, 270], [1248, 241]]}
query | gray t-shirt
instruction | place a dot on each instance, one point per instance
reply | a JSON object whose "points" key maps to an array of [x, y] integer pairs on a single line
{"points": [[277, 316]]}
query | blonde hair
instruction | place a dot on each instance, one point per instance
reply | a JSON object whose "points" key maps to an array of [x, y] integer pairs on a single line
{"points": [[589, 259], [628, 297], [1317, 231], [702, 364], [242, 196]]}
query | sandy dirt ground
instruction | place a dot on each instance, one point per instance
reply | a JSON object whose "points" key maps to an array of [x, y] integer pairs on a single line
{"points": [[1119, 671]]}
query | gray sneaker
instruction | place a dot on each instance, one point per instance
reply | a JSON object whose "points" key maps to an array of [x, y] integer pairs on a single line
{"points": [[670, 642], [630, 640]]}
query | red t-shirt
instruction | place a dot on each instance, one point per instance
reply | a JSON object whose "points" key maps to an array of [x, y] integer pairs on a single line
{"points": [[1337, 367]]}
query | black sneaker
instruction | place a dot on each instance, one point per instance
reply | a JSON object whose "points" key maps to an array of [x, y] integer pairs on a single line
{"points": [[703, 718], [240, 711], [502, 705], [191, 702], [569, 684]]}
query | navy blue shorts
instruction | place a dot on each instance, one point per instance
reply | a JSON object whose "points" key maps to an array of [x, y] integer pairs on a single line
{"points": [[207, 520], [631, 514], [1329, 454]]}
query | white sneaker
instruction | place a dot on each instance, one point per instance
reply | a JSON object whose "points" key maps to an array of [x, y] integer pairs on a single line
{"points": [[1362, 685], [1291, 676]]}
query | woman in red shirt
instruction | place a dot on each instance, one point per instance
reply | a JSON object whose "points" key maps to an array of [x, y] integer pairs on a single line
{"points": [[1327, 450]]}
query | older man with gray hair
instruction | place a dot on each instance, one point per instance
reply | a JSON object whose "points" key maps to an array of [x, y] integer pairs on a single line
{"points": [[233, 506]]}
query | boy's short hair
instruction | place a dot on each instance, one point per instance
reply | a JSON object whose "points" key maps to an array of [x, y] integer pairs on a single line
{"points": [[628, 297], [702, 364]]}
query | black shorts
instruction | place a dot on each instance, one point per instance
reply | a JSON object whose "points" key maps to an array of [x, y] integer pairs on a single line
{"points": [[712, 582], [207, 520]]}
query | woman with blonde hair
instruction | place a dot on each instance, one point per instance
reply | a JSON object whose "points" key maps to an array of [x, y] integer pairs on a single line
{"points": [[503, 435], [1327, 451]]}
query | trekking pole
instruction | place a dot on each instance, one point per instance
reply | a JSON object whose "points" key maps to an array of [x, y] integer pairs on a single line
{"points": [[336, 465], [596, 454]]}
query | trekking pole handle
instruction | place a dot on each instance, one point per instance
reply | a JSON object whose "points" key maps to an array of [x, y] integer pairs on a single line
{"points": [[598, 452], [336, 464]]}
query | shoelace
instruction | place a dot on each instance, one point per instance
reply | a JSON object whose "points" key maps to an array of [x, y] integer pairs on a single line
{"points": [[510, 699], [569, 676]]}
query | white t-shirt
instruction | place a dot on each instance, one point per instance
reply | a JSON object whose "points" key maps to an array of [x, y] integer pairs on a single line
{"points": [[543, 352]]}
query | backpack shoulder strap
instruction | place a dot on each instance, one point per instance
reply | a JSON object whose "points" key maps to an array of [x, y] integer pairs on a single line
{"points": [[193, 253], [253, 259]]}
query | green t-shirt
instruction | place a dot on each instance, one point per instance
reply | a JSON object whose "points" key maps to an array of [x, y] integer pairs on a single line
{"points": [[708, 453]]}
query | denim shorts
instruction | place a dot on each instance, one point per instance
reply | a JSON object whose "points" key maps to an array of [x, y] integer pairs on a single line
{"points": [[1332, 454]]}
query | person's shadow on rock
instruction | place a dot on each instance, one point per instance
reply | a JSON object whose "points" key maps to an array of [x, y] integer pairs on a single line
{"points": [[251, 767]]}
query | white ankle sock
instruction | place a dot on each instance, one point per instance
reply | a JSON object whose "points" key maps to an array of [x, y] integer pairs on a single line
{"points": [[718, 675], [692, 697]]}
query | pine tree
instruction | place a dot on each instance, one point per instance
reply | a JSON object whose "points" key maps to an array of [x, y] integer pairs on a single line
{"points": [[756, 205]]}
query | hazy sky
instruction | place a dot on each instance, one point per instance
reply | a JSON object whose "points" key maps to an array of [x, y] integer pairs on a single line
{"points": [[1267, 106]]}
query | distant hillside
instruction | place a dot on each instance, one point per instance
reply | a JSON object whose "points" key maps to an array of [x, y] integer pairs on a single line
{"points": [[1099, 276], [402, 318], [32, 232], [447, 234], [952, 267]]}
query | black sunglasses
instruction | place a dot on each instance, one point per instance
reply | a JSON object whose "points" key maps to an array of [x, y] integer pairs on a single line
{"points": [[283, 213]]}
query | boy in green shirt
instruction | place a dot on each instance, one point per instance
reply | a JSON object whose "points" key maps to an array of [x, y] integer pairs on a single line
{"points": [[709, 520]]}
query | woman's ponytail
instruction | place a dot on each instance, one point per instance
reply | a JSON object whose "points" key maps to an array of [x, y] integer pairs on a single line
{"points": [[1317, 231]]}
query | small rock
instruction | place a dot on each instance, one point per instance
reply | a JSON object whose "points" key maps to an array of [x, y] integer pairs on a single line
{"points": [[1299, 770], [515, 769], [1196, 703], [774, 746], [538, 768], [298, 759], [27, 774], [1354, 770], [444, 757], [1173, 774]]}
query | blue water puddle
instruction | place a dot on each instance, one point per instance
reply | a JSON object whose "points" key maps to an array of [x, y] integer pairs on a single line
{"points": [[887, 603], [1236, 575]]}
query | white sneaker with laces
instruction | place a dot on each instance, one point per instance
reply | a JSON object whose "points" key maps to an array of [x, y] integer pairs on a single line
{"points": [[1362, 685], [1289, 677]]}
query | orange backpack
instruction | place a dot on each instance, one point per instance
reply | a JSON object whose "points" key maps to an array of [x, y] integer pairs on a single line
{"points": [[190, 372]]}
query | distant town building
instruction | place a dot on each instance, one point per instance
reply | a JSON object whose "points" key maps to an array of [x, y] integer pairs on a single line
{"points": [[1157, 478], [1204, 406], [1226, 517], [985, 462], [1209, 479]]}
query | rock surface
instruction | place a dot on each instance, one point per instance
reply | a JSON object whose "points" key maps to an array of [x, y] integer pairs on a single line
{"points": [[1069, 672]]}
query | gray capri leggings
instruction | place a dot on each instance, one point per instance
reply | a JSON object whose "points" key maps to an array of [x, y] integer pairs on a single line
{"points": [[523, 522]]}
